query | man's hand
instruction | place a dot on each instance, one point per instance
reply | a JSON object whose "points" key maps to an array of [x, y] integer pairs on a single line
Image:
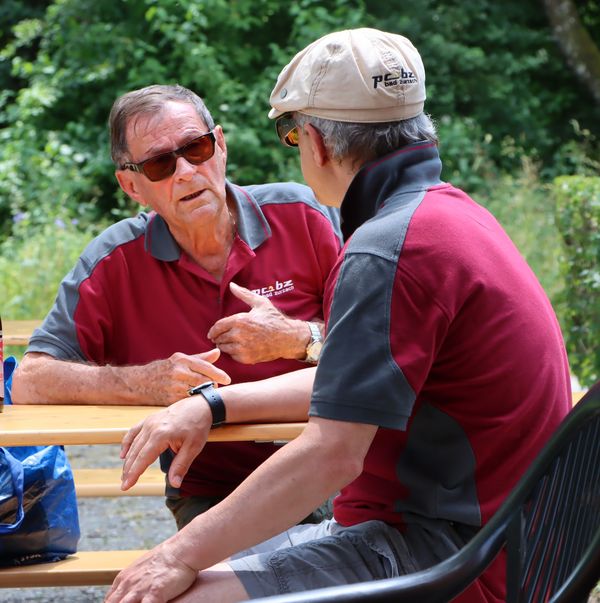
{"points": [[156, 577], [163, 382], [260, 335], [183, 427]]}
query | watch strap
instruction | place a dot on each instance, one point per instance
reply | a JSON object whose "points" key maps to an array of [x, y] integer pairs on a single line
{"points": [[313, 349], [315, 333], [214, 400]]}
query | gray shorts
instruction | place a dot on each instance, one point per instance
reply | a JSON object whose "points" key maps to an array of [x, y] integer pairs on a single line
{"points": [[328, 554]]}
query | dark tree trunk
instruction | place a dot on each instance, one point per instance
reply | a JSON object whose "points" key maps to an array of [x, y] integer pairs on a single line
{"points": [[582, 54]]}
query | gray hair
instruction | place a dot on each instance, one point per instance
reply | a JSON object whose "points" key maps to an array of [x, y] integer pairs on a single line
{"points": [[367, 141], [147, 101]]}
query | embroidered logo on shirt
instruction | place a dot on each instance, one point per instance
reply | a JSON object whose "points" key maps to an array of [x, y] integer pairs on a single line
{"points": [[277, 288]]}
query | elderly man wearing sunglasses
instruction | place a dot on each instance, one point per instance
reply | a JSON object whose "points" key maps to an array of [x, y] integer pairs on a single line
{"points": [[217, 283]]}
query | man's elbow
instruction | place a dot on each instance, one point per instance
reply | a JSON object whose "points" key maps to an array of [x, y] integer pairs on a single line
{"points": [[343, 447], [349, 470], [20, 391], [345, 465], [23, 383]]}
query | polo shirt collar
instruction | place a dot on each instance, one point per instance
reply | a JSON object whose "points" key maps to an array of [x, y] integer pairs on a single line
{"points": [[252, 227], [412, 168]]}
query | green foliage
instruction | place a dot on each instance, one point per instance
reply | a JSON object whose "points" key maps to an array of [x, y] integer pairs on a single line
{"points": [[496, 83], [76, 59], [497, 64], [524, 207], [465, 150], [34, 261], [578, 219]]}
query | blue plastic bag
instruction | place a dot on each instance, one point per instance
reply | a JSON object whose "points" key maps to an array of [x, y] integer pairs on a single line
{"points": [[10, 364], [38, 507]]}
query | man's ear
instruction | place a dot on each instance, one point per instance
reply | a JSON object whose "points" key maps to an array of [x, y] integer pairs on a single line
{"points": [[127, 182], [220, 142], [319, 151]]}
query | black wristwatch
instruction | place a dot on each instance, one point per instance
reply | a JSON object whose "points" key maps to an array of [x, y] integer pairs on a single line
{"points": [[213, 397]]}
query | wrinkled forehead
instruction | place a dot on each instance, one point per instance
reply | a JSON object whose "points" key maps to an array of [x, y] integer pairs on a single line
{"points": [[171, 119]]}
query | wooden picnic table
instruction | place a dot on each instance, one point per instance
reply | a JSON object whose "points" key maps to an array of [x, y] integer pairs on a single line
{"points": [[18, 332], [69, 424], [46, 424]]}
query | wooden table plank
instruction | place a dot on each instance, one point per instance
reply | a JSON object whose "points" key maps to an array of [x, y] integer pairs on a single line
{"points": [[107, 482], [45, 424], [82, 569], [18, 332]]}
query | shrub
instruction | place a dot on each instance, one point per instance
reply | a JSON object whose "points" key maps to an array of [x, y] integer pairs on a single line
{"points": [[578, 219], [34, 261]]}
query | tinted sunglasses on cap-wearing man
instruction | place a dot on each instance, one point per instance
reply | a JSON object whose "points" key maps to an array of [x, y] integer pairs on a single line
{"points": [[287, 130], [162, 166]]}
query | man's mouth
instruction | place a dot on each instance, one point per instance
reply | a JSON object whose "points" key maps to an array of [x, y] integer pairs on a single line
{"points": [[191, 196]]}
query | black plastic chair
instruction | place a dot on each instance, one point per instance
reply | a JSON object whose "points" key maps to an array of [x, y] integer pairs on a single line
{"points": [[549, 524]]}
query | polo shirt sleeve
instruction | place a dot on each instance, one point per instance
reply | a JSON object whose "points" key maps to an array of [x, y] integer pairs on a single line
{"points": [[382, 334], [57, 335], [77, 325]]}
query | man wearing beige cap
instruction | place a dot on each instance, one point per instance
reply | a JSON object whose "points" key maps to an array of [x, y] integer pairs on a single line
{"points": [[443, 373]]}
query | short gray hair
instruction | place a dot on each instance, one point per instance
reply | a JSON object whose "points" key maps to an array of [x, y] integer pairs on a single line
{"points": [[367, 141], [147, 101]]}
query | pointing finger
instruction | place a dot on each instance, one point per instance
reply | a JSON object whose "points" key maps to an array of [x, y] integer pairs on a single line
{"points": [[249, 297]]}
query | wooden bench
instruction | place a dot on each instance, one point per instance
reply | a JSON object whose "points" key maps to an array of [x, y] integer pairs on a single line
{"points": [[18, 332], [32, 425], [107, 482], [86, 568]]}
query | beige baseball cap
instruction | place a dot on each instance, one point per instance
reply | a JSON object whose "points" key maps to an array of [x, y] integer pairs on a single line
{"points": [[357, 75]]}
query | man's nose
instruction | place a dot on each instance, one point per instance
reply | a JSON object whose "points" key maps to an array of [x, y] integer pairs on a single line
{"points": [[184, 170]]}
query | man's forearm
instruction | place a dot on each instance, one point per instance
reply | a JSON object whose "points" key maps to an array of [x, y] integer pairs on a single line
{"points": [[184, 426], [282, 491], [41, 379], [282, 398]]}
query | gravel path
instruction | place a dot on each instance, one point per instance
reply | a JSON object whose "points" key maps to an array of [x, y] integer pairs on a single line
{"points": [[138, 522]]}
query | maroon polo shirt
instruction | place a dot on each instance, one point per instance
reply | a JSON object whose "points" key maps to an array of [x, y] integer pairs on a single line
{"points": [[134, 296], [439, 333]]}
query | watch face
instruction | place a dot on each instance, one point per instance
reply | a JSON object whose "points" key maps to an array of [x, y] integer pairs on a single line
{"points": [[313, 351]]}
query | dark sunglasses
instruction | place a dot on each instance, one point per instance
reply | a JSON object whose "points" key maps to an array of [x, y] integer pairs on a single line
{"points": [[162, 166], [287, 130]]}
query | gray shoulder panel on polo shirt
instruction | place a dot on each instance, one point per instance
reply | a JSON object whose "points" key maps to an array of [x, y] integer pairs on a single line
{"points": [[57, 335], [160, 242], [357, 377]]}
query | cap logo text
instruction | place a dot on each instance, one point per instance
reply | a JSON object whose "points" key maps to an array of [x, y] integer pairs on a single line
{"points": [[393, 79]]}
